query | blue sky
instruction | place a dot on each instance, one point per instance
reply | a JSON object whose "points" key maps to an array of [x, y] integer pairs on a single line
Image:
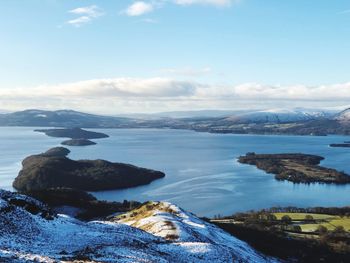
{"points": [[182, 47]]}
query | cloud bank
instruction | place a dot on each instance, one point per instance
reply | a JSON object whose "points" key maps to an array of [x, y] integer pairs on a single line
{"points": [[121, 95]]}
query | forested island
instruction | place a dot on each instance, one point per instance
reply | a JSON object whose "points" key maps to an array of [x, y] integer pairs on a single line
{"points": [[44, 171], [78, 142], [295, 167]]}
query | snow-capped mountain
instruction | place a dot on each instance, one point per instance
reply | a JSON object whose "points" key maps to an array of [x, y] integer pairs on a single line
{"points": [[280, 116], [29, 232], [60, 118], [343, 116]]}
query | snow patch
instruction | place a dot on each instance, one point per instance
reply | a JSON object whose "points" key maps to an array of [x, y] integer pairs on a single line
{"points": [[31, 237]]}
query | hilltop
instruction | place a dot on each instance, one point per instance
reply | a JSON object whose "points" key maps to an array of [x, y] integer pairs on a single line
{"points": [[30, 232]]}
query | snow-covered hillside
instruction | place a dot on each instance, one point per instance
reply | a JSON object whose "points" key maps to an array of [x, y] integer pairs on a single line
{"points": [[30, 233], [280, 116], [184, 229], [343, 116]]}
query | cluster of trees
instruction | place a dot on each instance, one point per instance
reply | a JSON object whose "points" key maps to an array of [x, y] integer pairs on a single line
{"points": [[278, 244], [264, 221], [339, 211]]}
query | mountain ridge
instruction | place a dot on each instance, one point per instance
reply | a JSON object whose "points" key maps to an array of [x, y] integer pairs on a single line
{"points": [[297, 121]]}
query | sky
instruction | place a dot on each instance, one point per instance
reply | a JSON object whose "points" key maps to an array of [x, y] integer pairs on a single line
{"points": [[165, 55]]}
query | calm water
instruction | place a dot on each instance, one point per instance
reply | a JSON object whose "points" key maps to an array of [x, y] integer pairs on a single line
{"points": [[202, 174]]}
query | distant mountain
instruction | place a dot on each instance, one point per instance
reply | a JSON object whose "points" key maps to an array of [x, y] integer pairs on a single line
{"points": [[343, 116], [186, 114], [60, 118], [280, 116], [272, 121], [245, 116]]}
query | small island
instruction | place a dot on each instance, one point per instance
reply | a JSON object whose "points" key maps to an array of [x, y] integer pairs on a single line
{"points": [[42, 171], [78, 142], [341, 145], [73, 133], [295, 167]]}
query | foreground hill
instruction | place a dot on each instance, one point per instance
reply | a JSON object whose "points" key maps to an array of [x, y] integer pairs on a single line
{"points": [[29, 232], [45, 171]]}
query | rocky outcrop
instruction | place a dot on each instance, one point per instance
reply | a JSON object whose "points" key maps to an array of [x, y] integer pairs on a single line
{"points": [[42, 172]]}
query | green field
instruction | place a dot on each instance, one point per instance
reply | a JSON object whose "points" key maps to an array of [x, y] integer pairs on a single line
{"points": [[329, 221]]}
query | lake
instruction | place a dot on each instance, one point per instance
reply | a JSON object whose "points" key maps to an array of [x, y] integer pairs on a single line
{"points": [[202, 173]]}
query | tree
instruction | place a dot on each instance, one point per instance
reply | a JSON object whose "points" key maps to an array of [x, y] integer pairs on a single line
{"points": [[267, 216], [286, 219], [296, 228], [309, 218], [322, 230], [339, 230]]}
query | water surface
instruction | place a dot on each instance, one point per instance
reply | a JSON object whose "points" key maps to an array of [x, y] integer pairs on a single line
{"points": [[202, 173]]}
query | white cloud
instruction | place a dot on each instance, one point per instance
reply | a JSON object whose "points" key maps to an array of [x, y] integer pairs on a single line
{"points": [[164, 94], [79, 21], [218, 3], [86, 15], [139, 8], [91, 11]]}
